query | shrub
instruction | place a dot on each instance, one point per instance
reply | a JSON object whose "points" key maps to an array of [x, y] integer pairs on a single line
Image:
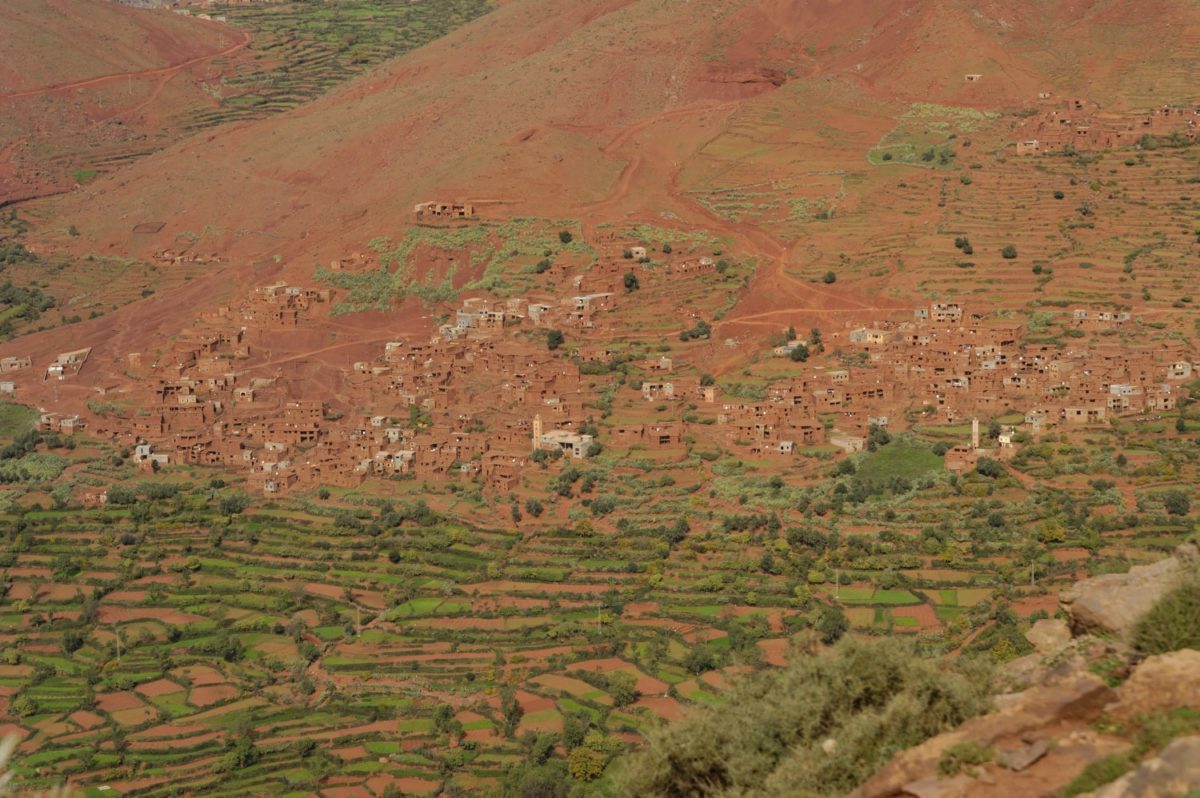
{"points": [[1009, 252], [874, 699], [988, 467], [1173, 623], [965, 754], [829, 278], [1177, 502]]}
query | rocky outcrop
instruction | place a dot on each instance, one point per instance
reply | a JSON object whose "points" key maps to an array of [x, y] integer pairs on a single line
{"points": [[1112, 603], [1160, 683], [1040, 738], [1173, 773], [1049, 635], [1078, 696]]}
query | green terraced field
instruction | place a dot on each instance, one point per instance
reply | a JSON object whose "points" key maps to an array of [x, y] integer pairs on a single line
{"points": [[304, 49]]}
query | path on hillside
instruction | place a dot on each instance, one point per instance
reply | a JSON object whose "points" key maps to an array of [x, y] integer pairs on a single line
{"points": [[141, 73], [815, 301]]}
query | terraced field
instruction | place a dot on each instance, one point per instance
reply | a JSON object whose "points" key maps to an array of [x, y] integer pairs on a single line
{"points": [[302, 50], [181, 638]]}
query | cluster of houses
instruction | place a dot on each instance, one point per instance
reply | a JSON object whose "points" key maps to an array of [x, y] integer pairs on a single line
{"points": [[1080, 125], [482, 397], [958, 366]]}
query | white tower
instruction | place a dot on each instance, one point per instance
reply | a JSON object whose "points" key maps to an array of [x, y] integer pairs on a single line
{"points": [[537, 431]]}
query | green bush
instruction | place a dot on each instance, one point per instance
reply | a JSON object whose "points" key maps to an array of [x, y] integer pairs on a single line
{"points": [[769, 739], [1173, 623], [964, 755]]}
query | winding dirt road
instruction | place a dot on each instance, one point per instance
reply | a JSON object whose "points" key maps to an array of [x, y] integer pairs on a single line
{"points": [[161, 72]]}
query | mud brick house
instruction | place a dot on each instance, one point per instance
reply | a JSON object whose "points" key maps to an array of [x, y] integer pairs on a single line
{"points": [[654, 391], [8, 364], [67, 364], [1079, 125], [443, 211]]}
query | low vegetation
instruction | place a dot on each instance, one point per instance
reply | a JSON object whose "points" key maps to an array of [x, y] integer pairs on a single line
{"points": [[819, 726]]}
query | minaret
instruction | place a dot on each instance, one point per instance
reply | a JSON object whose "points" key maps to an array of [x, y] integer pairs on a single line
{"points": [[537, 431], [974, 433]]}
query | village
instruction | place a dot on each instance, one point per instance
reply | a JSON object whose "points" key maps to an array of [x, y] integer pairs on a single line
{"points": [[489, 393], [1080, 126]]}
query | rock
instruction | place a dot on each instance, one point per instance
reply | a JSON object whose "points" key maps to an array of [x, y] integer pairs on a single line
{"points": [[1020, 673], [1114, 602], [1020, 758], [934, 787], [1049, 635], [1160, 683], [1173, 773], [1076, 696]]}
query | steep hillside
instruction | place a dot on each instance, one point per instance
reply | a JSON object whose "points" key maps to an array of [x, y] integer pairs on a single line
{"points": [[87, 85], [753, 121], [537, 106]]}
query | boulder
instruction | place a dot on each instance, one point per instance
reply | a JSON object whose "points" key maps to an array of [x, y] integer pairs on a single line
{"points": [[1173, 773], [935, 787], [1018, 759], [1077, 695], [1049, 635], [1114, 602], [1160, 683]]}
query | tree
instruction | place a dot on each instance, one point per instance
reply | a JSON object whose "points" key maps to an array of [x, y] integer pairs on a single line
{"points": [[555, 339], [622, 686], [707, 380], [832, 624], [631, 282], [72, 641], [239, 754], [799, 353], [988, 467], [666, 247], [586, 763], [791, 332], [534, 507], [699, 659], [1177, 502], [829, 278], [512, 711], [565, 236], [234, 503], [575, 728], [1009, 252]]}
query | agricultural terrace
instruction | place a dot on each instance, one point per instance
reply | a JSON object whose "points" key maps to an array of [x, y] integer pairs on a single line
{"points": [[185, 637], [300, 52]]}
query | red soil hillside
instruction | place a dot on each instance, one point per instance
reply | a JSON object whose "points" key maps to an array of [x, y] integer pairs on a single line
{"points": [[516, 105], [85, 80], [601, 110]]}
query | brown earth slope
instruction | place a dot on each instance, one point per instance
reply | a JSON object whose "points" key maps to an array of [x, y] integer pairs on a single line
{"points": [[607, 110], [87, 83]]}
